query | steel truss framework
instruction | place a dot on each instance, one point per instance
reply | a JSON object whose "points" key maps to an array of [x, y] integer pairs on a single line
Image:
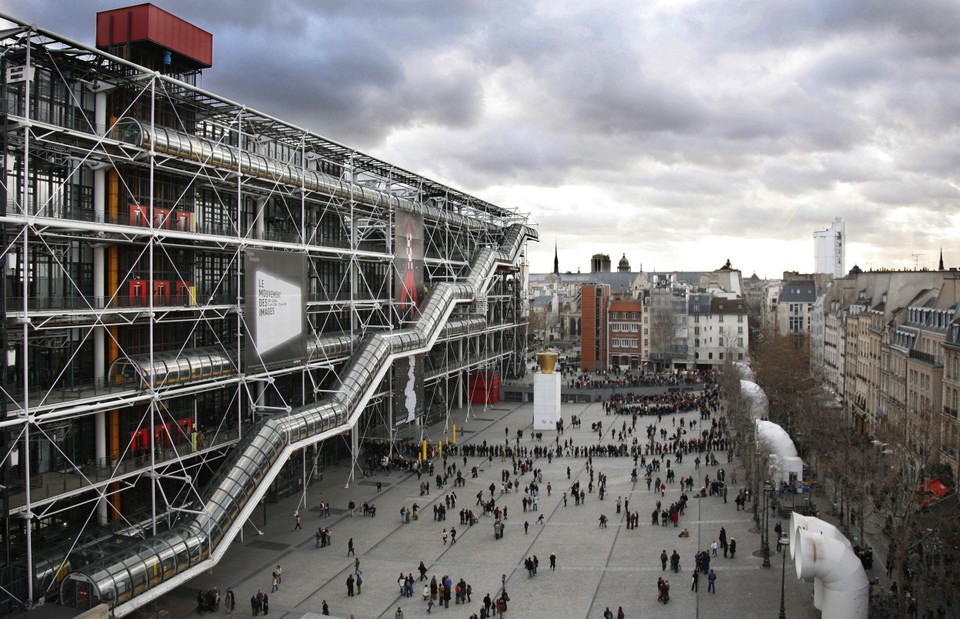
{"points": [[129, 199]]}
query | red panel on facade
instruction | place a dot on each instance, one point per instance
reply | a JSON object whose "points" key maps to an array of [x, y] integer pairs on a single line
{"points": [[484, 388], [146, 22]]}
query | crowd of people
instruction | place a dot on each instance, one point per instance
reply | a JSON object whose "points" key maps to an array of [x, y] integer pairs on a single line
{"points": [[663, 442]]}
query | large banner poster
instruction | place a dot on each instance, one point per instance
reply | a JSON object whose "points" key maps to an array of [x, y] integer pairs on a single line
{"points": [[408, 265], [275, 308], [408, 402], [409, 292]]}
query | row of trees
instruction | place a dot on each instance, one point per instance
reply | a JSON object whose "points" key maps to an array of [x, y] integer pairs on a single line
{"points": [[864, 479]]}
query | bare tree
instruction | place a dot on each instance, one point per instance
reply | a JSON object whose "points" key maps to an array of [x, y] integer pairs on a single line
{"points": [[664, 325], [782, 364], [922, 527]]}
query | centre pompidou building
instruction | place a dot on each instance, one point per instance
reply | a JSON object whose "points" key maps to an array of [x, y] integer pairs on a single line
{"points": [[203, 305]]}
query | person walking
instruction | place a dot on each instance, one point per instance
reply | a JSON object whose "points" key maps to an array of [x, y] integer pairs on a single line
{"points": [[350, 582], [297, 521], [526, 526], [398, 614], [444, 537], [712, 582], [325, 608], [733, 547], [663, 560], [553, 561], [230, 600], [350, 550], [695, 583]]}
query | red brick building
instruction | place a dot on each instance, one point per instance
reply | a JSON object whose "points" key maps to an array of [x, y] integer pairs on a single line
{"points": [[593, 309], [611, 329]]}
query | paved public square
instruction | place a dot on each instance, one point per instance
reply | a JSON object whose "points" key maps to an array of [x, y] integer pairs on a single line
{"points": [[596, 567]]}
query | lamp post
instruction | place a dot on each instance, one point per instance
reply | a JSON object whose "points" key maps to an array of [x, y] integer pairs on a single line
{"points": [[783, 577], [767, 490]]}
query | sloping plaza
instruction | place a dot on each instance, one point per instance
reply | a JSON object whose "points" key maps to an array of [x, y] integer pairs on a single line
{"points": [[596, 567]]}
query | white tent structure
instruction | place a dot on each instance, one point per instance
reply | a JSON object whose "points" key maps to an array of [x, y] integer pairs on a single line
{"points": [[755, 398]]}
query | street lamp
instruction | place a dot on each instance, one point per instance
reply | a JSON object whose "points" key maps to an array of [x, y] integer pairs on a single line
{"points": [[767, 491], [783, 576]]}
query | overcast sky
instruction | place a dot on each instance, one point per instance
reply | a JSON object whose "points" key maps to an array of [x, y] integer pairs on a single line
{"points": [[678, 132]]}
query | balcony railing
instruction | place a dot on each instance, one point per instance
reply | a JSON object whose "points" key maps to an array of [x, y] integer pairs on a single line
{"points": [[926, 358]]}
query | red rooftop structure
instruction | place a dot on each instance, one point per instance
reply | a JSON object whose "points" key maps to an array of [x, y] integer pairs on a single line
{"points": [[148, 35]]}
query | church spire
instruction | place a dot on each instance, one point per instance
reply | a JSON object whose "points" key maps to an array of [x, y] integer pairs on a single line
{"points": [[556, 260], [941, 258]]}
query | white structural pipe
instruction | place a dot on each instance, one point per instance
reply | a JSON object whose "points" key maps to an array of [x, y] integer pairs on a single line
{"points": [[819, 550]]}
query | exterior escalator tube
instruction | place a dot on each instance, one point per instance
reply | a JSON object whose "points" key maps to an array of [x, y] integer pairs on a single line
{"points": [[143, 572], [209, 152], [138, 368]]}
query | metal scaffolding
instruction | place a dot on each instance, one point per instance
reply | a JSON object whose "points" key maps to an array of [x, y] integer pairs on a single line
{"points": [[129, 393]]}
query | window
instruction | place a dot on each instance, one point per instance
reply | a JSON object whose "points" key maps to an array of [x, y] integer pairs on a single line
{"points": [[739, 318], [710, 355], [739, 342], [739, 329], [721, 317], [721, 344]]}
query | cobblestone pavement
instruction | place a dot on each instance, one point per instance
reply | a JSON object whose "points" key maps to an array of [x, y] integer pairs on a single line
{"points": [[596, 567]]}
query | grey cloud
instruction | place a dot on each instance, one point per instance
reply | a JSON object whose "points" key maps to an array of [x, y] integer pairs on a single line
{"points": [[746, 119]]}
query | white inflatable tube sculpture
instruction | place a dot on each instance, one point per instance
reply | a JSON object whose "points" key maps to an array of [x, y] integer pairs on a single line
{"points": [[815, 525], [774, 441], [745, 371], [756, 399], [841, 588]]}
